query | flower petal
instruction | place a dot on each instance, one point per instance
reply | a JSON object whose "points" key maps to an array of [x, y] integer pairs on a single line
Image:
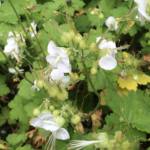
{"points": [[56, 75], [37, 122], [52, 48], [50, 125], [111, 23], [45, 121], [62, 134], [107, 62], [105, 44], [45, 116]]}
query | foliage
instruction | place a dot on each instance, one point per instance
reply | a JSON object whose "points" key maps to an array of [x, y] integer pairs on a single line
{"points": [[87, 99]]}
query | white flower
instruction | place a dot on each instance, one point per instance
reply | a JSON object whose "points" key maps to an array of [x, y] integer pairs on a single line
{"points": [[108, 49], [12, 48], [47, 122], [59, 77], [111, 23], [60, 64], [15, 70], [107, 62], [33, 30], [143, 7], [58, 58], [107, 46]]}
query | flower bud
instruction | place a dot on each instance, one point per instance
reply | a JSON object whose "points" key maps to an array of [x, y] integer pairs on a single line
{"points": [[93, 70], [60, 120], [82, 44], [51, 108], [74, 76], [75, 119], [103, 138], [118, 136], [126, 145], [36, 112], [101, 16], [63, 95], [56, 112], [77, 38], [68, 36], [40, 83]]}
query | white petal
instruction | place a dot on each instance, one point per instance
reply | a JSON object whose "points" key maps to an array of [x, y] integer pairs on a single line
{"points": [[51, 60], [56, 75], [142, 4], [12, 70], [62, 134], [64, 66], [45, 116], [104, 44], [52, 48], [45, 121], [111, 23], [50, 125], [35, 122], [107, 62]]}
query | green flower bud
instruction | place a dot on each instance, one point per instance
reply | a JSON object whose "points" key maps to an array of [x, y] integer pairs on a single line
{"points": [[126, 145], [104, 140], [56, 112], [93, 70], [101, 16], [75, 119], [36, 112], [40, 83], [62, 95], [51, 108], [60, 120]]}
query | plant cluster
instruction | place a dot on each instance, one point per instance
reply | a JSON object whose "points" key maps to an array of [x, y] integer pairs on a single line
{"points": [[74, 74]]}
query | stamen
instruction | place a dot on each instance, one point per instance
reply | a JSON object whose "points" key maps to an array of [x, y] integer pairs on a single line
{"points": [[78, 144], [51, 143]]}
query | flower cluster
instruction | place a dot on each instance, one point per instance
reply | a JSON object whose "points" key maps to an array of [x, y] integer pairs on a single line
{"points": [[60, 64]]}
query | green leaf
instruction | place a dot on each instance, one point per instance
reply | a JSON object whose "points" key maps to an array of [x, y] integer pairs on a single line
{"points": [[4, 90], [7, 14], [26, 147], [82, 23], [132, 109], [24, 102], [15, 139], [4, 115], [102, 80], [107, 5], [2, 58], [113, 124]]}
